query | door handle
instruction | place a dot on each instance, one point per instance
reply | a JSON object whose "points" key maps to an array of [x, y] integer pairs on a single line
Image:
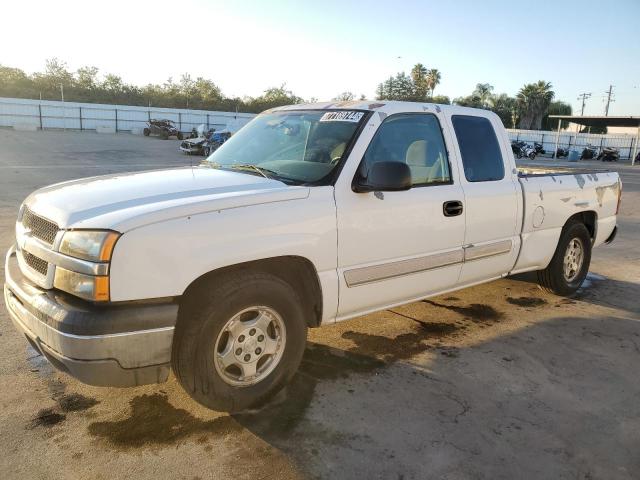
{"points": [[452, 208]]}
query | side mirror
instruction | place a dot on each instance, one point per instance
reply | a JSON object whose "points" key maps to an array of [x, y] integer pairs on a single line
{"points": [[384, 177]]}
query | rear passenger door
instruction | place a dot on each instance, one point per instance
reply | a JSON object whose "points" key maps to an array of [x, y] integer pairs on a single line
{"points": [[491, 240]]}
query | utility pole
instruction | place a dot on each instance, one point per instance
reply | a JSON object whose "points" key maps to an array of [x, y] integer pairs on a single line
{"points": [[609, 100], [584, 97]]}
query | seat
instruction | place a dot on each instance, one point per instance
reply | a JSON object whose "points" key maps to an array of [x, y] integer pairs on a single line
{"points": [[426, 166]]}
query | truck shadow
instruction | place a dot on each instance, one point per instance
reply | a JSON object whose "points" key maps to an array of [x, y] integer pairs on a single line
{"points": [[516, 406], [597, 290]]}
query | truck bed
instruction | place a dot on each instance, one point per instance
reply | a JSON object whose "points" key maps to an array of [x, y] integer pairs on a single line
{"points": [[551, 196]]}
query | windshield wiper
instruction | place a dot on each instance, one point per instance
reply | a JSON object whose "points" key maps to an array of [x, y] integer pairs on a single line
{"points": [[264, 172], [249, 166]]}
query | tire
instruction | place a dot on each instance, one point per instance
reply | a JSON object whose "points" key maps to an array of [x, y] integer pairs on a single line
{"points": [[203, 321], [146, 132], [179, 135], [164, 136], [553, 279], [206, 152]]}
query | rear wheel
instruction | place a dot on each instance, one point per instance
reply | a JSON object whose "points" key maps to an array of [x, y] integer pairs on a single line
{"points": [[146, 132], [238, 341], [570, 263], [179, 135]]}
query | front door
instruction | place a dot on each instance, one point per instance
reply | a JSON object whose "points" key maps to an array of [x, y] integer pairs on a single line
{"points": [[395, 247]]}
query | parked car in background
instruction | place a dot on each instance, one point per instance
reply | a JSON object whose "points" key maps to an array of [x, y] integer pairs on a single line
{"points": [[309, 215], [163, 128], [214, 141], [195, 144]]}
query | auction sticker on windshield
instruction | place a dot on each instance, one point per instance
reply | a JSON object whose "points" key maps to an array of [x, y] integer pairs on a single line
{"points": [[342, 116]]}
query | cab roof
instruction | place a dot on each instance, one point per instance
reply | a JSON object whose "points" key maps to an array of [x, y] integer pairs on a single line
{"points": [[387, 107]]}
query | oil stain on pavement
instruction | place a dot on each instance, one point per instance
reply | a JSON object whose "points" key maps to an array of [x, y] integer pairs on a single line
{"points": [[476, 312], [47, 417], [526, 301], [153, 420]]}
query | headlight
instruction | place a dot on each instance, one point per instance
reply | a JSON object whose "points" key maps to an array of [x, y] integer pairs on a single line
{"points": [[89, 287], [92, 245]]}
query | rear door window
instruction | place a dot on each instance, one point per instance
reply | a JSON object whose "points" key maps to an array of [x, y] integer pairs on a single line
{"points": [[479, 147]]}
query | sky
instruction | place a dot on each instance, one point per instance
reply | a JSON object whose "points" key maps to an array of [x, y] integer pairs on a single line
{"points": [[322, 48]]}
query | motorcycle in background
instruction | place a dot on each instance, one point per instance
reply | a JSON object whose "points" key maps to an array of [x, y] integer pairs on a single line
{"points": [[588, 153], [609, 154], [521, 149]]}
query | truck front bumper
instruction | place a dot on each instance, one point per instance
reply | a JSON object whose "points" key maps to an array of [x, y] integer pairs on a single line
{"points": [[118, 345]]}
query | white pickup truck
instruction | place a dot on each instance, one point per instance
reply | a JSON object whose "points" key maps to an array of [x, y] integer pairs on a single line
{"points": [[309, 215]]}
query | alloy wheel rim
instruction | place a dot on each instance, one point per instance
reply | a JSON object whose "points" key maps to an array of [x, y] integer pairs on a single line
{"points": [[250, 346], [573, 259]]}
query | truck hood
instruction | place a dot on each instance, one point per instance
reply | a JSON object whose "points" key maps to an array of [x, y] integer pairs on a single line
{"points": [[124, 201]]}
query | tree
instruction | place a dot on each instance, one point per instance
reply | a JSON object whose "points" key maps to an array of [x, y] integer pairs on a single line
{"points": [[433, 79], [483, 92], [505, 107], [419, 77], [344, 97], [416, 87], [441, 99], [400, 87], [533, 102], [87, 78], [557, 108]]}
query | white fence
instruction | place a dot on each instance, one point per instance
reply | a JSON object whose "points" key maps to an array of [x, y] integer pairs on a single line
{"points": [[45, 114], [577, 141]]}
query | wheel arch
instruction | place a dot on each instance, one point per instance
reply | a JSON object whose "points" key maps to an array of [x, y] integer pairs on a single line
{"points": [[590, 220], [297, 271]]}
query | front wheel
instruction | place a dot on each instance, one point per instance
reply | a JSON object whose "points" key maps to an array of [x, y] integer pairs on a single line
{"points": [[238, 341], [570, 263]]}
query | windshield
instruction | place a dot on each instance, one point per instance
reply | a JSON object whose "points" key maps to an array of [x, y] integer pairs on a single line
{"points": [[292, 146]]}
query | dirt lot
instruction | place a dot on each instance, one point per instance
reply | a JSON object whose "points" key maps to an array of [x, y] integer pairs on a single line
{"points": [[498, 381]]}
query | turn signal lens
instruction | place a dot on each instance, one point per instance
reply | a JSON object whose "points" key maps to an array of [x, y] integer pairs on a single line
{"points": [[89, 287]]}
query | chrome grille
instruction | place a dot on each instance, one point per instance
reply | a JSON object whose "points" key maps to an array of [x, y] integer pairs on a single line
{"points": [[40, 227], [38, 264]]}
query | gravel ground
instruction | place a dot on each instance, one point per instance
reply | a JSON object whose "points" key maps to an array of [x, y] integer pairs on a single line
{"points": [[498, 381]]}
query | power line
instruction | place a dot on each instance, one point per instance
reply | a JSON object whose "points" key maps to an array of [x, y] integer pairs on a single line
{"points": [[584, 99]]}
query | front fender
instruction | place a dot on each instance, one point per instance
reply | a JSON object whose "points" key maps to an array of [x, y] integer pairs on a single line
{"points": [[162, 259]]}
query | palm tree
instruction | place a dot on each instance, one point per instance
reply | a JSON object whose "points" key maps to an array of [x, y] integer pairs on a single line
{"points": [[543, 100], [433, 79], [533, 103], [483, 91]]}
